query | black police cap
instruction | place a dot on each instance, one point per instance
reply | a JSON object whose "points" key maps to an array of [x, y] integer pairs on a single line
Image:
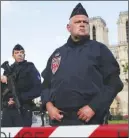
{"points": [[78, 10], [18, 47]]}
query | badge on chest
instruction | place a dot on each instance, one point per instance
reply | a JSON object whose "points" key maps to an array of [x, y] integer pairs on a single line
{"points": [[55, 63]]}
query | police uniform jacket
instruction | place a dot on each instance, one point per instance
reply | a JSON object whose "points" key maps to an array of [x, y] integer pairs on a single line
{"points": [[81, 73], [27, 81]]}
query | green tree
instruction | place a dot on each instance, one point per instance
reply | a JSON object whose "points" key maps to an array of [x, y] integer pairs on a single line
{"points": [[125, 69]]}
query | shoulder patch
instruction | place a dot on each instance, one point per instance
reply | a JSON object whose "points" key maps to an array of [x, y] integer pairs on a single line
{"points": [[55, 62], [38, 76]]}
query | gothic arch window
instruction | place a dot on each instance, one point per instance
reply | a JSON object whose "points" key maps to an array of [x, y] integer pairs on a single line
{"points": [[94, 32], [127, 28]]}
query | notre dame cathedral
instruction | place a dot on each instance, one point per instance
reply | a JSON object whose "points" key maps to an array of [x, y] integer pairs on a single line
{"points": [[99, 32]]}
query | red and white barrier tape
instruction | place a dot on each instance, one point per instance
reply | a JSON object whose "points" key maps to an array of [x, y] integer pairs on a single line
{"points": [[120, 130]]}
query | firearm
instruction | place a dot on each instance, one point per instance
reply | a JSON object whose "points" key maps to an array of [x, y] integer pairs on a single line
{"points": [[11, 84]]}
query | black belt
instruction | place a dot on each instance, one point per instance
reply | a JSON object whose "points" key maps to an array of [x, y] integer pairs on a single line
{"points": [[69, 111]]}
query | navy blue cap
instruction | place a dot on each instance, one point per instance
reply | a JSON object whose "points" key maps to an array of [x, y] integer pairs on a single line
{"points": [[78, 10]]}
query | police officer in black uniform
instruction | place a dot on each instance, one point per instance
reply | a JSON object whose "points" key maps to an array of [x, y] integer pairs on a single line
{"points": [[28, 86], [81, 78]]}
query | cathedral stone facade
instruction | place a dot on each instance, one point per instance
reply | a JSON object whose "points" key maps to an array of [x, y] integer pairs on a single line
{"points": [[99, 32]]}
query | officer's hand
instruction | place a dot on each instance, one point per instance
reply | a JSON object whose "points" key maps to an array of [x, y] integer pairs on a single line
{"points": [[4, 79], [85, 113], [11, 102], [53, 112]]}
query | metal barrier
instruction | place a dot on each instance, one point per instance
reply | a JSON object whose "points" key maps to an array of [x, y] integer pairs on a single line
{"points": [[117, 131]]}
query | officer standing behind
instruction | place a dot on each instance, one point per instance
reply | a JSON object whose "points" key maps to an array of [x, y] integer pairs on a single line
{"points": [[28, 86], [81, 78]]}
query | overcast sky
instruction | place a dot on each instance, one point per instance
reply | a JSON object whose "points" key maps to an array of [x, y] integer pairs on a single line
{"points": [[40, 26]]}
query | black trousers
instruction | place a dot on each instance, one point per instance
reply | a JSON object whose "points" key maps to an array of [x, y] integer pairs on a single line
{"points": [[11, 118], [71, 118]]}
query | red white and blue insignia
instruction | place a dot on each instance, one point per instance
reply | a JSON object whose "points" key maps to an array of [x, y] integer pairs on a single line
{"points": [[55, 63]]}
